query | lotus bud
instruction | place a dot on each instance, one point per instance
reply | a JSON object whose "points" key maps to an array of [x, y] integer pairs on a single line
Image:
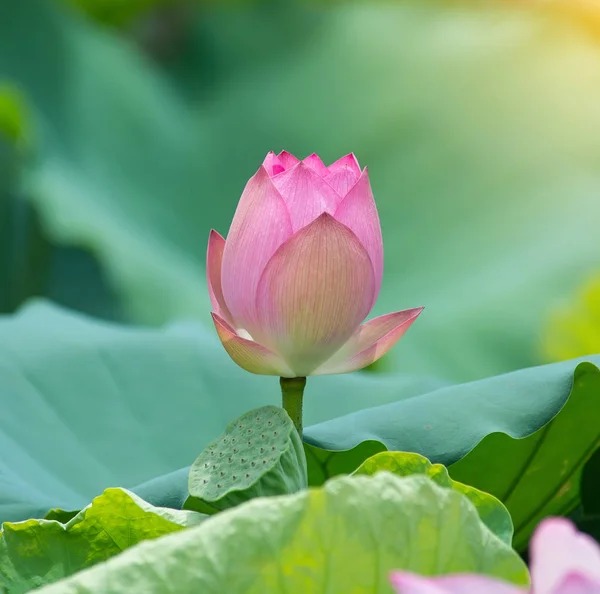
{"points": [[300, 271]]}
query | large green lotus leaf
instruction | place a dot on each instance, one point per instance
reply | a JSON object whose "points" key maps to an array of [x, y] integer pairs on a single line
{"points": [[474, 122], [590, 485], [492, 513], [540, 476], [344, 537], [34, 553], [588, 515], [88, 405]]}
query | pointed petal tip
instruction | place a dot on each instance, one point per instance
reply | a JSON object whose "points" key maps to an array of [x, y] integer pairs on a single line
{"points": [[316, 164], [286, 154], [348, 160], [370, 342], [305, 193], [272, 164], [287, 159], [214, 235], [325, 216]]}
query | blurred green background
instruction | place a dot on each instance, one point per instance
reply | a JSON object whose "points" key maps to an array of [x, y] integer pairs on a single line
{"points": [[129, 128]]}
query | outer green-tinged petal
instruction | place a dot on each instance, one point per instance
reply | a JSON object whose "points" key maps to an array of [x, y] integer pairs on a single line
{"points": [[249, 355], [564, 560], [214, 260], [358, 212], [410, 583], [314, 292], [343, 174], [306, 194], [370, 342], [260, 225]]}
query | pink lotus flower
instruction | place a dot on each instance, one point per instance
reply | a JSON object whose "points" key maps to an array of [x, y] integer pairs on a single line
{"points": [[300, 270], [563, 561]]}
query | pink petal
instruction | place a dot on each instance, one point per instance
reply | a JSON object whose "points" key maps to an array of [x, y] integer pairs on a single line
{"points": [[343, 174], [287, 159], [214, 258], [306, 194], [272, 164], [410, 583], [370, 342], [558, 550], [314, 162], [358, 212], [315, 291], [249, 355], [260, 225], [348, 161], [575, 583]]}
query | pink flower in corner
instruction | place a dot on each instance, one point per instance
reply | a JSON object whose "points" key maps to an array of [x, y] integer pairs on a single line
{"points": [[563, 561], [300, 270]]}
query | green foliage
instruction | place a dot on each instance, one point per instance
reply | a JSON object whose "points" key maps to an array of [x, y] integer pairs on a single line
{"points": [[590, 486], [60, 515], [154, 398], [492, 513], [38, 552], [540, 476], [588, 515], [259, 454], [348, 535]]}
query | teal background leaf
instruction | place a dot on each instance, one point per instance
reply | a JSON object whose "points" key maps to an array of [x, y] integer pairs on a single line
{"points": [[89, 405]]}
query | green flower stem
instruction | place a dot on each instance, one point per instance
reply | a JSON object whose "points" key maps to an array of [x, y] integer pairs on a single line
{"points": [[292, 392]]}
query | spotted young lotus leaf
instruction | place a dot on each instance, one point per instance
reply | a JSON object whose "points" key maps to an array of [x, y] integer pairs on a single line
{"points": [[258, 455]]}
